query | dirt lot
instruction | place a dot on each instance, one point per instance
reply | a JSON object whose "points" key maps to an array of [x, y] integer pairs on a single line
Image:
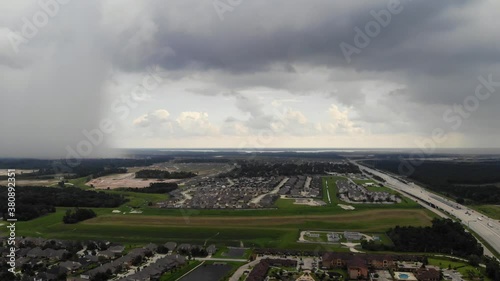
{"points": [[202, 169], [36, 182], [122, 180], [3, 172], [128, 180]]}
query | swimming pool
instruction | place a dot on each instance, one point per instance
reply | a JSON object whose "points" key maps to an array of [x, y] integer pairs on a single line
{"points": [[403, 276]]}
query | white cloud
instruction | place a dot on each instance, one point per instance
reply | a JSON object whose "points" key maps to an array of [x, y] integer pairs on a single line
{"points": [[196, 123], [156, 117], [341, 122]]}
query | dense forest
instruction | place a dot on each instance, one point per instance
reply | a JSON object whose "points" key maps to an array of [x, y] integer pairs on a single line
{"points": [[264, 169], [161, 174], [154, 187], [470, 182], [77, 215], [492, 268], [35, 201], [444, 236]]}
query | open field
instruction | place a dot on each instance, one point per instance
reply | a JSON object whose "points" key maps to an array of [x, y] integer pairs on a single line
{"points": [[492, 211], [233, 252], [202, 169], [266, 228], [4, 172], [284, 207], [376, 187], [128, 179], [37, 182], [136, 199], [122, 180], [358, 220], [270, 231], [462, 267]]}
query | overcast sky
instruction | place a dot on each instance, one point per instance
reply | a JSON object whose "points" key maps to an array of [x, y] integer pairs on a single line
{"points": [[246, 74]]}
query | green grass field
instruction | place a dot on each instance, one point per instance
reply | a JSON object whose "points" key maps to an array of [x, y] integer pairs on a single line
{"points": [[270, 231], [492, 211], [462, 267], [375, 187], [274, 228], [284, 207]]}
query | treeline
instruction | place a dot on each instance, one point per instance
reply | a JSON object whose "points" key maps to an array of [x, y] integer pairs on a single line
{"points": [[444, 236], [160, 174], [259, 153], [193, 252], [77, 215], [265, 169], [154, 187], [492, 268], [202, 160], [35, 201], [83, 167], [492, 265], [471, 181]]}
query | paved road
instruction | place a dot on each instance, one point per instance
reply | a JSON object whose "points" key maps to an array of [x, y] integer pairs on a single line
{"points": [[257, 199], [239, 272], [220, 259], [485, 227]]}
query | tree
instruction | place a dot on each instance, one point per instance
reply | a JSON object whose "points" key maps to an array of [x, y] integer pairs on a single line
{"points": [[77, 215], [162, 249], [137, 260], [474, 260]]}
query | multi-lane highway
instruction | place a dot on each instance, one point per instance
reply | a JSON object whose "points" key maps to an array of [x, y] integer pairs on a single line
{"points": [[485, 227]]}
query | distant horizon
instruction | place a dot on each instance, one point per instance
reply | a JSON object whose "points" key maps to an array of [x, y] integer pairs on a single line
{"points": [[414, 150], [282, 75]]}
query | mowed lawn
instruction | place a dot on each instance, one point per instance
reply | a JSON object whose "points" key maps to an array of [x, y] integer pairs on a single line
{"points": [[492, 211], [274, 228], [375, 220], [270, 231]]}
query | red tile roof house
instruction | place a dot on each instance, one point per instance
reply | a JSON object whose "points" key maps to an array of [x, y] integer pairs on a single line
{"points": [[428, 274], [357, 268], [358, 265]]}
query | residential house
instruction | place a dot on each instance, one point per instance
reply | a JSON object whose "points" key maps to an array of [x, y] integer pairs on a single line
{"points": [[357, 268], [428, 274]]}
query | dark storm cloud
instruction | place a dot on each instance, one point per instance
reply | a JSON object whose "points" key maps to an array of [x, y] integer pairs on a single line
{"points": [[55, 94], [257, 35], [433, 51]]}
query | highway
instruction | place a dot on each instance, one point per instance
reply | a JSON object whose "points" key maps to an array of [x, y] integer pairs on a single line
{"points": [[485, 227]]}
